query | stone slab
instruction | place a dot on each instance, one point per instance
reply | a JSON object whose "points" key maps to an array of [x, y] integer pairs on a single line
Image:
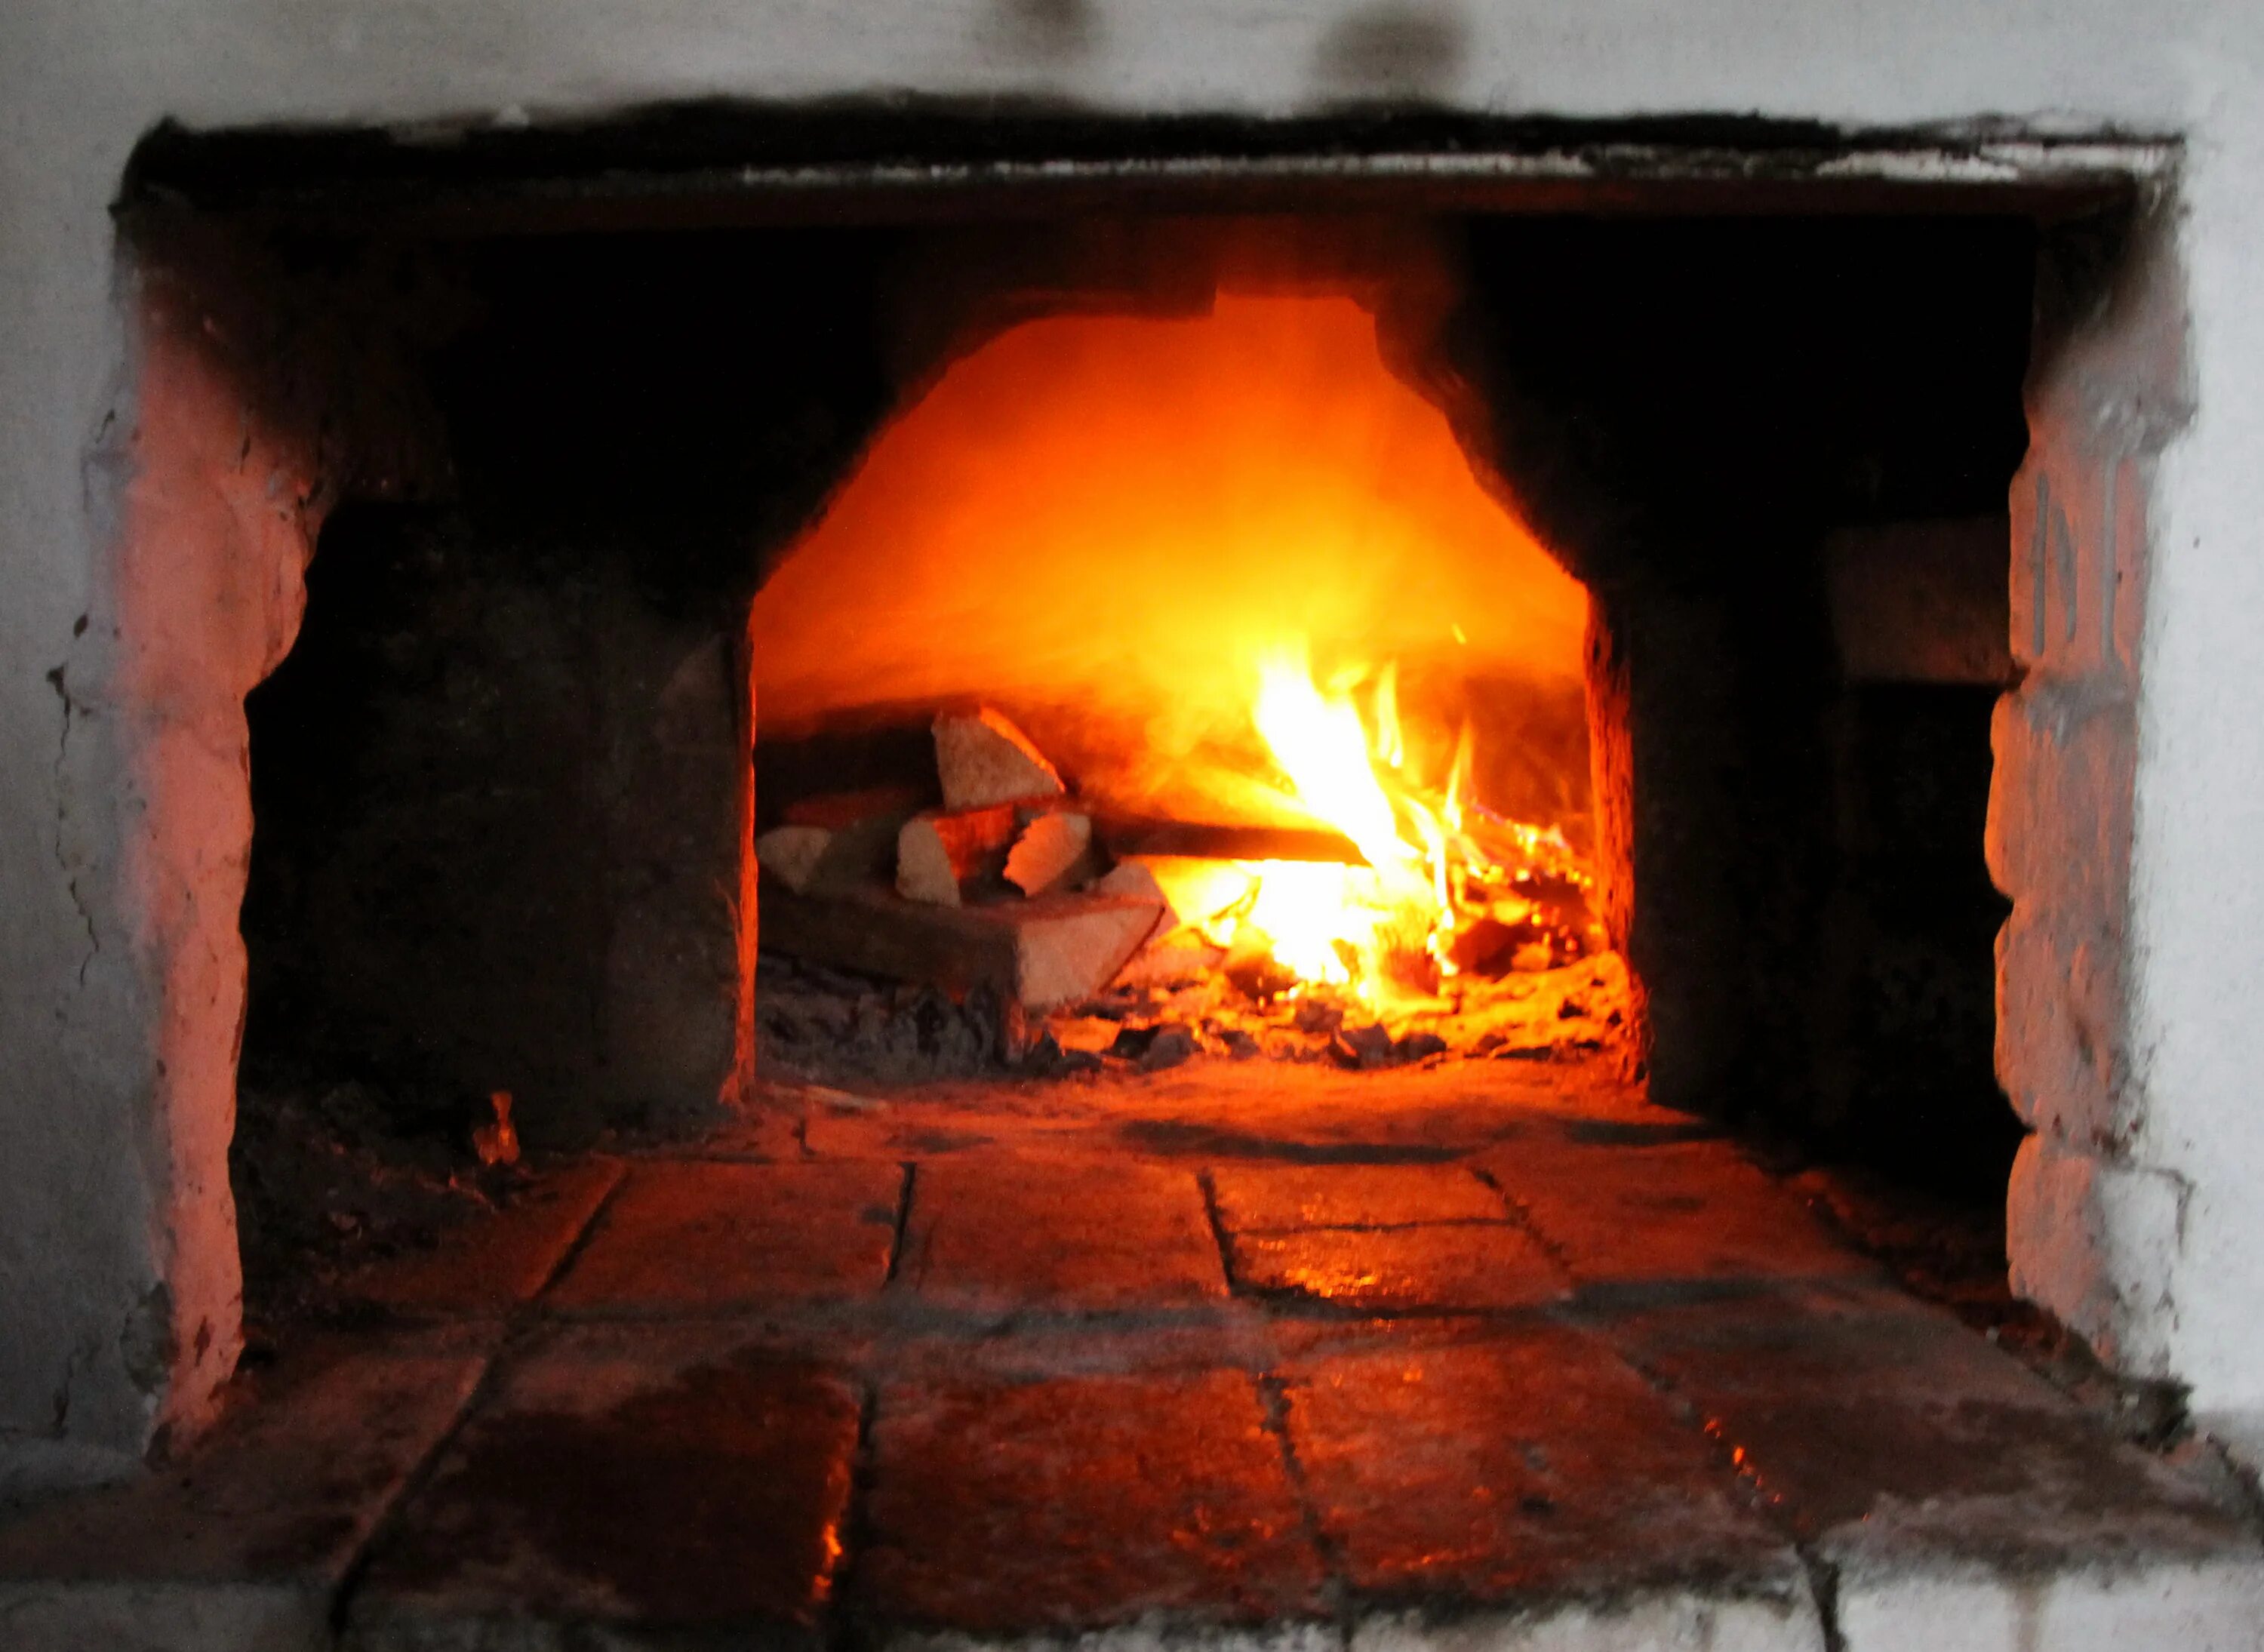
{"points": [[1078, 1504], [1857, 1410], [500, 1262], [1680, 1210], [1463, 1267], [1670, 1621], [1000, 1233], [243, 1546], [1293, 1634], [1254, 1199], [692, 1236], [1522, 1468], [624, 1486], [2208, 1606]]}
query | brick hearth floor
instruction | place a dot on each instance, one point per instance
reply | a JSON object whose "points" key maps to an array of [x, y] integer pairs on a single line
{"points": [[1489, 1356]]}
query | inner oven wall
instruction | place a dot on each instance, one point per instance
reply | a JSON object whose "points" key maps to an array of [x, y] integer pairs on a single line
{"points": [[501, 786], [1698, 416]]}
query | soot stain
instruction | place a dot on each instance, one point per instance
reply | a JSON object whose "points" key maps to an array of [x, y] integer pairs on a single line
{"points": [[1394, 49], [1045, 31]]}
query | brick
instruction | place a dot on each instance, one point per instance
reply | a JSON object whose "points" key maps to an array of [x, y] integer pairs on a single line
{"points": [[1687, 1210], [1253, 1198], [1856, 1408], [2060, 798], [243, 1546], [1083, 1503], [1520, 1468], [499, 1261], [2059, 1023], [624, 1483], [710, 1237], [1461, 1267], [2096, 1244], [998, 1233]]}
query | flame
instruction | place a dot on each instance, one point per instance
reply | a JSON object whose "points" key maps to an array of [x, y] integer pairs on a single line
{"points": [[1363, 926], [1334, 924], [1323, 748]]}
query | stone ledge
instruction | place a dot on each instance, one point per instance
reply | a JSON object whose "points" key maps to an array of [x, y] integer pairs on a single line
{"points": [[2208, 1605]]}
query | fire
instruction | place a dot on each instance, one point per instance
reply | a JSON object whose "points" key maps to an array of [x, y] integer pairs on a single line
{"points": [[1380, 929], [1328, 922], [1322, 746], [1225, 571]]}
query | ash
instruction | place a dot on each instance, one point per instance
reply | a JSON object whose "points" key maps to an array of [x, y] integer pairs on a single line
{"points": [[835, 1025]]}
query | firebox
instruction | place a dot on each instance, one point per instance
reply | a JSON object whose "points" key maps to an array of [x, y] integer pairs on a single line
{"points": [[1101, 892], [1356, 638]]}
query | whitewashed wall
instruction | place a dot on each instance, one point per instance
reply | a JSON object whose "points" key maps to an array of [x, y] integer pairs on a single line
{"points": [[102, 1051]]}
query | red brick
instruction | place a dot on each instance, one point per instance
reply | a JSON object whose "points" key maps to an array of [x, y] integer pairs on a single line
{"points": [[684, 1236]]}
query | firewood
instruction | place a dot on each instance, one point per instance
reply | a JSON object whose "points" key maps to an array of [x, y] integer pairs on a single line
{"points": [[792, 854], [1053, 950], [1124, 834], [840, 840], [982, 759], [939, 852], [1172, 959], [1053, 851], [1131, 877], [838, 810]]}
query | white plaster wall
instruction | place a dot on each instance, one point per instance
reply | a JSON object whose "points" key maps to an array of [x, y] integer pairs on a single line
{"points": [[2196, 1012], [81, 80]]}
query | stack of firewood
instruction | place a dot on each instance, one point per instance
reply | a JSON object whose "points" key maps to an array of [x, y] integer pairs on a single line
{"points": [[1012, 883]]}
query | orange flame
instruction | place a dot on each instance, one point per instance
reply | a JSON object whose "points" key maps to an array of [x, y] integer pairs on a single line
{"points": [[1363, 926]]}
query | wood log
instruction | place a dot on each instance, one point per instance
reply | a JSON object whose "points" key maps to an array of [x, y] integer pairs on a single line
{"points": [[1053, 851], [981, 759], [840, 840], [1039, 953], [838, 810], [792, 854], [1170, 959], [939, 852], [1132, 878], [1123, 835]]}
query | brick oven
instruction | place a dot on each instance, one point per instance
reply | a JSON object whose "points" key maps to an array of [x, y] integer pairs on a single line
{"points": [[991, 833]]}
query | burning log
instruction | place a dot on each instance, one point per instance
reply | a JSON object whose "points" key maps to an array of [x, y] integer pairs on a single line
{"points": [[939, 852], [1039, 953], [983, 759], [1126, 836]]}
